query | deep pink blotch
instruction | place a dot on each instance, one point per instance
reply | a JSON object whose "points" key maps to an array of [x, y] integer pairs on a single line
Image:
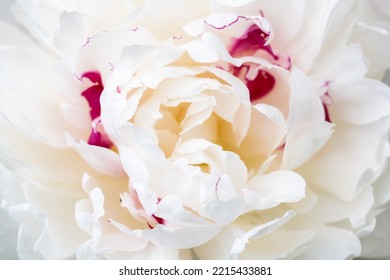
{"points": [[261, 85], [253, 40], [92, 95]]}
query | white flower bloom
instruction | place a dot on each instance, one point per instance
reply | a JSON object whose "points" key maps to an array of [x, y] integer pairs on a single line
{"points": [[195, 129]]}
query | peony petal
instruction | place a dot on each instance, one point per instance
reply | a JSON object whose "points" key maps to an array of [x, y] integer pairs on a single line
{"points": [[36, 159], [27, 97], [374, 37], [38, 19], [16, 36], [217, 22], [154, 15], [281, 244], [381, 191], [341, 23], [223, 212], [356, 210], [139, 175], [331, 243], [181, 238], [103, 160], [70, 34], [309, 39], [9, 228], [274, 188], [240, 243], [337, 168], [377, 245], [171, 209], [233, 3], [353, 103], [60, 235], [307, 130], [8, 235], [201, 53]]}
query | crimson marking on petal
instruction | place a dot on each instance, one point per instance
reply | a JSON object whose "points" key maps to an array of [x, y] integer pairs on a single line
{"points": [[261, 85], [92, 94], [177, 37], [258, 87], [133, 29], [97, 138], [112, 66], [255, 39], [159, 220], [327, 101], [216, 188], [89, 39], [233, 22], [93, 76], [326, 111], [149, 226], [252, 40]]}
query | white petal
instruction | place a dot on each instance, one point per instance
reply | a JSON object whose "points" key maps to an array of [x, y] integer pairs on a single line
{"points": [[307, 129], [233, 3], [155, 14], [280, 244], [14, 35], [331, 243], [201, 53], [223, 212], [8, 235], [139, 176], [349, 161], [36, 160], [330, 209], [181, 238], [39, 20], [274, 188], [377, 245], [71, 33], [60, 236], [240, 243], [374, 37], [336, 36], [381, 189], [120, 241], [305, 46], [104, 160], [354, 103], [170, 208], [27, 100], [222, 21]]}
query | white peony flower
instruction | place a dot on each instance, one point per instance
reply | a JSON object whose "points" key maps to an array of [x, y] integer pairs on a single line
{"points": [[195, 129]]}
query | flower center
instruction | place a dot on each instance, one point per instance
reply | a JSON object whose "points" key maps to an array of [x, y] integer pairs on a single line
{"points": [[97, 137]]}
